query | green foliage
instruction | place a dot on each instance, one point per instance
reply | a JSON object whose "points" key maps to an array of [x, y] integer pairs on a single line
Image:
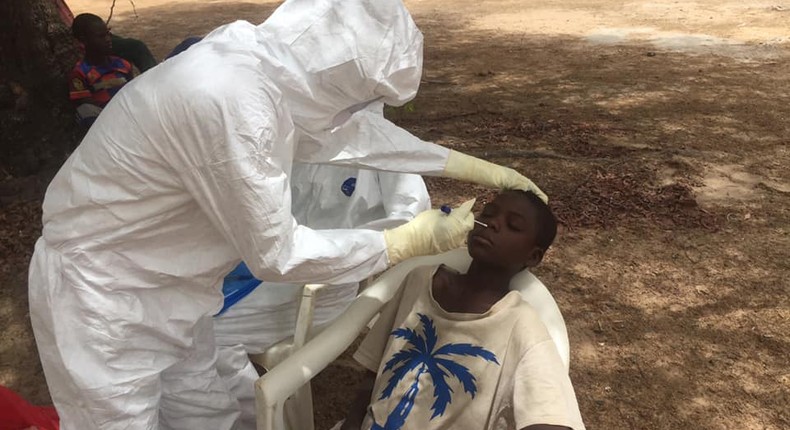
{"points": [[395, 113]]}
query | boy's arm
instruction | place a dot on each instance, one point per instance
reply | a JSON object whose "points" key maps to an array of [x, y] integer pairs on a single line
{"points": [[79, 91], [359, 406], [129, 70], [82, 99]]}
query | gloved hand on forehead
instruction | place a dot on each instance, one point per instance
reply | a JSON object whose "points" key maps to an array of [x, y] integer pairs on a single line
{"points": [[431, 232], [467, 168]]}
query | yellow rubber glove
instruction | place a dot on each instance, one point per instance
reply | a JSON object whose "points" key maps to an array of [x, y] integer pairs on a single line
{"points": [[430, 232], [467, 168]]}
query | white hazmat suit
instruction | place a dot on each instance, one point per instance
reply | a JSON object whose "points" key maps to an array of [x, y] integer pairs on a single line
{"points": [[323, 197], [185, 174]]}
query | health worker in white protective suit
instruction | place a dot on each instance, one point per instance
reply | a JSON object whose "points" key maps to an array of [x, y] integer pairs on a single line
{"points": [[257, 315], [185, 174]]}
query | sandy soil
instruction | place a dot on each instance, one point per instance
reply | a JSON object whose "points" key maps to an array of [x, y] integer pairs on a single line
{"points": [[659, 129]]}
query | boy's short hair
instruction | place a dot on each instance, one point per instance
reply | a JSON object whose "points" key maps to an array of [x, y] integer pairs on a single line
{"points": [[81, 23], [546, 221]]}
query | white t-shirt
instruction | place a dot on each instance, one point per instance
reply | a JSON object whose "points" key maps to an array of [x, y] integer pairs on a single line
{"points": [[498, 370]]}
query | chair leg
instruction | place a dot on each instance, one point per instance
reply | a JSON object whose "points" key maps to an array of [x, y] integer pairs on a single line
{"points": [[266, 417], [298, 410]]}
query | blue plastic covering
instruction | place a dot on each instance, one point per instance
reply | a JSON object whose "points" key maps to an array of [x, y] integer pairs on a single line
{"points": [[237, 285], [183, 46]]}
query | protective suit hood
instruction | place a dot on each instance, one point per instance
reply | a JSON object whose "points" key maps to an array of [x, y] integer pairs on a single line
{"points": [[332, 57]]}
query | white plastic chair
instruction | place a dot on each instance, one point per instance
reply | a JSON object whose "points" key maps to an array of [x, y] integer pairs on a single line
{"points": [[298, 409], [284, 391]]}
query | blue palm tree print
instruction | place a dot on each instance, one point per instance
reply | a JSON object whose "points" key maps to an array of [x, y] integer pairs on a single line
{"points": [[419, 354]]}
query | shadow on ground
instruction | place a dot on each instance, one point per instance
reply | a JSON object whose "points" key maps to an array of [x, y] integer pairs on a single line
{"points": [[677, 306]]}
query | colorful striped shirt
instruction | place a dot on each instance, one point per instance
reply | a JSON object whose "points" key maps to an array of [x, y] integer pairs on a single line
{"points": [[98, 84]]}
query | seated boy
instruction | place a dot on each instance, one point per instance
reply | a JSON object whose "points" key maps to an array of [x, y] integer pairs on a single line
{"points": [[463, 351], [99, 75], [132, 50]]}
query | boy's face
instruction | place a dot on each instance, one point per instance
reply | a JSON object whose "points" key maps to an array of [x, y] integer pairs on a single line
{"points": [[97, 39], [509, 239]]}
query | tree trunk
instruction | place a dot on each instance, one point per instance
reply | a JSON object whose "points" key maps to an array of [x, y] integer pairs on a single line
{"points": [[37, 51]]}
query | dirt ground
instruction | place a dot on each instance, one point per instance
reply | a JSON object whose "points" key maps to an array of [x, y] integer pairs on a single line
{"points": [[660, 131]]}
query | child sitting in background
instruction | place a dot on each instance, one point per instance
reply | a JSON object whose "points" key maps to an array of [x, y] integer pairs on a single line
{"points": [[99, 75], [132, 50], [463, 351]]}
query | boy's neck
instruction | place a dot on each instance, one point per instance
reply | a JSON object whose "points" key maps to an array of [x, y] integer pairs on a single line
{"points": [[97, 59], [484, 277], [475, 291]]}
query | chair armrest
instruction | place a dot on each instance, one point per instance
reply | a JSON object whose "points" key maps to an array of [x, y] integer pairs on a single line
{"points": [[285, 378]]}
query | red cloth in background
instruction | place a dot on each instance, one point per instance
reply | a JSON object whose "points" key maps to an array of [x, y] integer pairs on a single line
{"points": [[17, 414], [65, 12]]}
